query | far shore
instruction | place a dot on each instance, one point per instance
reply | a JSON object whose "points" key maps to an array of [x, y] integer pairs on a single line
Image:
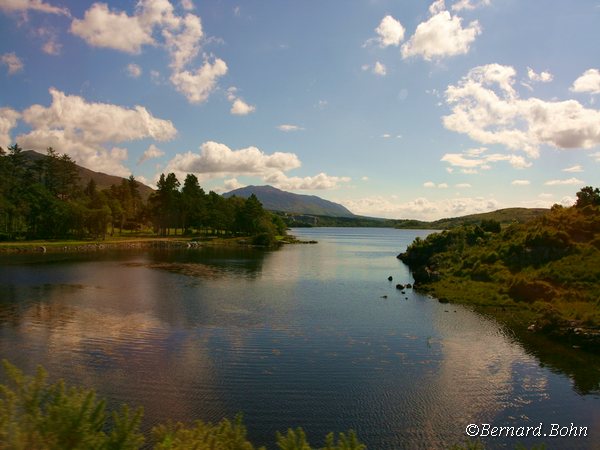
{"points": [[124, 243]]}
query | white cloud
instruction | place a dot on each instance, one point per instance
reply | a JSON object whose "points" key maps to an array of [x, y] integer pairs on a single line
{"points": [[542, 77], [188, 5], [232, 184], [101, 27], [463, 186], [320, 181], [441, 36], [486, 107], [8, 120], [567, 182], [596, 156], [442, 186], [238, 106], [31, 5], [469, 5], [520, 183], [429, 184], [241, 108], [51, 47], [286, 127], [379, 69], [574, 169], [134, 70], [588, 82], [151, 152], [198, 85], [13, 62], [154, 22], [419, 208], [474, 159], [216, 160], [85, 130], [390, 32]]}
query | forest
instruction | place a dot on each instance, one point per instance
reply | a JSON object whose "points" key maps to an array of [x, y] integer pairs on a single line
{"points": [[542, 275], [44, 199]]}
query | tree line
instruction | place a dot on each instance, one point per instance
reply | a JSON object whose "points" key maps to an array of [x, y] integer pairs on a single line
{"points": [[43, 198]]}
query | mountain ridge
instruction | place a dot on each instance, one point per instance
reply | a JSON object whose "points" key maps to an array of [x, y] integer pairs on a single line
{"points": [[274, 199]]}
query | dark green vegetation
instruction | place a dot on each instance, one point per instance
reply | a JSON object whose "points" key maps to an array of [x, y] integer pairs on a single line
{"points": [[275, 199], [43, 198], [542, 275], [37, 415]]}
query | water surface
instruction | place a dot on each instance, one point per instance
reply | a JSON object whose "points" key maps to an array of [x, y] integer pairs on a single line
{"points": [[308, 335]]}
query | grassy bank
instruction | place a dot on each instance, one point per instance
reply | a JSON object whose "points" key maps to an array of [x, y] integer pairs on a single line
{"points": [[542, 276]]}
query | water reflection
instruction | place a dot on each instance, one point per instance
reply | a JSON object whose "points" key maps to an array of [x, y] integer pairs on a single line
{"points": [[295, 337]]}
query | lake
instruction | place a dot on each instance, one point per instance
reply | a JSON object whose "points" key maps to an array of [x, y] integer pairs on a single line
{"points": [[306, 335]]}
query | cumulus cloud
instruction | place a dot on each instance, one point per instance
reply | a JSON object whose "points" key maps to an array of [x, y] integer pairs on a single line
{"points": [[474, 159], [463, 186], [420, 208], [151, 152], [155, 22], [542, 77], [241, 108], [238, 106], [198, 85], [588, 82], [216, 160], [379, 69], [13, 62], [86, 131], [134, 71], [596, 156], [32, 5], [469, 4], [567, 182], [286, 127], [486, 107], [8, 120], [101, 27], [320, 181], [188, 5], [441, 36], [520, 183], [390, 32], [573, 169]]}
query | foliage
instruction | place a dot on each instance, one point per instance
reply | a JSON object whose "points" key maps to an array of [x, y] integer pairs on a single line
{"points": [[225, 435], [42, 198], [35, 414], [549, 267]]}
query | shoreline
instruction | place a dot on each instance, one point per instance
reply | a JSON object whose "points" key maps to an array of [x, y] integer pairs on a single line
{"points": [[175, 242]]}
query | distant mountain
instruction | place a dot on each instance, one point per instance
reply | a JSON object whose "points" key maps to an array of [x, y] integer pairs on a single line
{"points": [[274, 199], [103, 181]]}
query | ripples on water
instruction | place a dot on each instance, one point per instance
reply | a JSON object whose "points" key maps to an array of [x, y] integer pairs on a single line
{"points": [[295, 337]]}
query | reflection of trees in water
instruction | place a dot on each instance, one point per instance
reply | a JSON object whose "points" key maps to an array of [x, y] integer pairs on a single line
{"points": [[212, 262], [583, 368]]}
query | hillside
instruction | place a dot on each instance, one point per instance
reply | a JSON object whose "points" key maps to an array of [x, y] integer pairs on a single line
{"points": [[103, 181], [505, 216], [542, 276], [274, 199]]}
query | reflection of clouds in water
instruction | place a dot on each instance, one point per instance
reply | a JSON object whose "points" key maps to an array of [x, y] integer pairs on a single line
{"points": [[481, 372]]}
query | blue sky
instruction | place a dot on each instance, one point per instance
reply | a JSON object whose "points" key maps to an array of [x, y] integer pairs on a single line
{"points": [[400, 109]]}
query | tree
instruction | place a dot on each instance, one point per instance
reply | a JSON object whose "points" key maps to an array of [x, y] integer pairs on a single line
{"points": [[588, 196], [165, 203], [193, 203]]}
